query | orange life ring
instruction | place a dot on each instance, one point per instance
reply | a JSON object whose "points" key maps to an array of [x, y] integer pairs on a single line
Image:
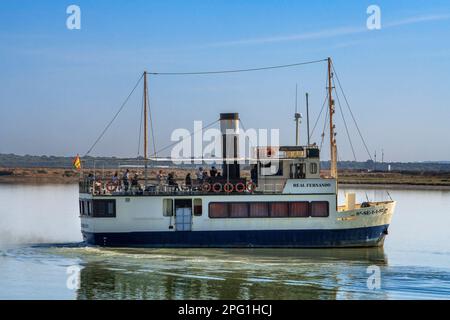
{"points": [[251, 186], [240, 187], [228, 187], [206, 187], [214, 187], [111, 186]]}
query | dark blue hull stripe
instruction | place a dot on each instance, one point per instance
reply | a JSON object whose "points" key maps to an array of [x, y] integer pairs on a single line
{"points": [[357, 237]]}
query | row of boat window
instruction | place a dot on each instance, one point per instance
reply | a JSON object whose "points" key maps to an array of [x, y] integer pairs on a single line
{"points": [[301, 209], [266, 209]]}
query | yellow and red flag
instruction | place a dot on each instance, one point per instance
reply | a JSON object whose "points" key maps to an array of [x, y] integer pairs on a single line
{"points": [[77, 162]]}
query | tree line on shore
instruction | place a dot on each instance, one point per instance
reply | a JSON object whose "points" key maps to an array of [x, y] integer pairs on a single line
{"points": [[33, 161]]}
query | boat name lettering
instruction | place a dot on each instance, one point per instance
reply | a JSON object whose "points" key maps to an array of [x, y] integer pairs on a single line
{"points": [[371, 212], [312, 185]]}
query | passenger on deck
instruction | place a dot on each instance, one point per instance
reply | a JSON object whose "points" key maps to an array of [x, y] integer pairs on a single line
{"points": [[135, 183], [171, 181], [188, 181], [254, 174], [125, 179], [115, 178], [206, 177], [160, 177], [199, 174], [213, 172]]}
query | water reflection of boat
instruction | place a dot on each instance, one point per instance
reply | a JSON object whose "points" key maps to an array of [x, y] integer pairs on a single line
{"points": [[227, 273]]}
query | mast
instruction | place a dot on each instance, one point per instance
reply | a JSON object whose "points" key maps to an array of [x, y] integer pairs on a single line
{"points": [[145, 128], [333, 151], [307, 116]]}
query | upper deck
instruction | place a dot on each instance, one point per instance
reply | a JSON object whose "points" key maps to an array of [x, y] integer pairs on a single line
{"points": [[276, 171]]}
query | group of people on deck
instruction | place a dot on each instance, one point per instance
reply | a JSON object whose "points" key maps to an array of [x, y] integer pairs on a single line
{"points": [[128, 181]]}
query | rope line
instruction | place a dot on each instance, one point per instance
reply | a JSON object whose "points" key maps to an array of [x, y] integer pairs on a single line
{"points": [[234, 70], [114, 118], [351, 113], [324, 127], [318, 117], [189, 135], [151, 124], [140, 126], [345, 123]]}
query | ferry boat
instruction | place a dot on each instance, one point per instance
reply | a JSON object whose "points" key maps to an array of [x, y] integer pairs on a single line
{"points": [[294, 208]]}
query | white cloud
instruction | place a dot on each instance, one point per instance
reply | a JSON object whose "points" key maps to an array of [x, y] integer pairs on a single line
{"points": [[328, 33]]}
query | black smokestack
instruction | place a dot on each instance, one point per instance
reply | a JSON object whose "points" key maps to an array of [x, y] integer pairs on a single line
{"points": [[229, 126]]}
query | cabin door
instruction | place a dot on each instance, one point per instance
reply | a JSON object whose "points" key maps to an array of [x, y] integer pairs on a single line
{"points": [[183, 215]]}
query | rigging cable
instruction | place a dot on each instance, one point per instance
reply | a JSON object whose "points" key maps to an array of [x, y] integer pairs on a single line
{"points": [[324, 127], [321, 109], [318, 117], [351, 113], [235, 70], [140, 126], [345, 123], [151, 124], [114, 118], [189, 135]]}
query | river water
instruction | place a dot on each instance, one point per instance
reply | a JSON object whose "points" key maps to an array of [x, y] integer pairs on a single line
{"points": [[41, 257]]}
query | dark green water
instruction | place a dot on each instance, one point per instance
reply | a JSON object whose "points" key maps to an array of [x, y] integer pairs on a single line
{"points": [[414, 264]]}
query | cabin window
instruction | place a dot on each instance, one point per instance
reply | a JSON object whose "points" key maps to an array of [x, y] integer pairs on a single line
{"points": [[299, 209], [218, 210], [319, 209], [313, 168], [197, 207], [259, 209], [266, 169], [238, 210], [167, 207], [104, 208], [279, 209], [88, 208]]}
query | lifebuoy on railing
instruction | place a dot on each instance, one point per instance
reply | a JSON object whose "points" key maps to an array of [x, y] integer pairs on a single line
{"points": [[240, 187], [251, 186], [206, 187], [217, 187], [111, 186], [228, 187]]}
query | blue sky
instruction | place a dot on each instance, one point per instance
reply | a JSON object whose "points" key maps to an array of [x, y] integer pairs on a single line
{"points": [[59, 87]]}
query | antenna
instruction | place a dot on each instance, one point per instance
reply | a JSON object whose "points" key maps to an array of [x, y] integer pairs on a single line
{"points": [[297, 117]]}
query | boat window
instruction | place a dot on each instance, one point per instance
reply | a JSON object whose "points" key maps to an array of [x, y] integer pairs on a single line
{"points": [[259, 209], [313, 167], [197, 207], [218, 210], [265, 169], [299, 209], [89, 208], [279, 209], [81, 207], [168, 207], [104, 208], [319, 209], [238, 210]]}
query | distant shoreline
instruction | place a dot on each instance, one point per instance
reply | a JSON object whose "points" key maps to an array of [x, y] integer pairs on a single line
{"points": [[347, 178]]}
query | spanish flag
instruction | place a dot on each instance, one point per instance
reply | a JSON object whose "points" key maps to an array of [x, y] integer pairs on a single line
{"points": [[77, 162]]}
